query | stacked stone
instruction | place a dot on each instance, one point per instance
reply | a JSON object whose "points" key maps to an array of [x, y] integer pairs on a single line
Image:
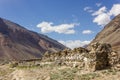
{"points": [[113, 58], [98, 56], [102, 59]]}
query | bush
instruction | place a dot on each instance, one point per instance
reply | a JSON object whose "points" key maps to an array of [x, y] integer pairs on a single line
{"points": [[12, 65]]}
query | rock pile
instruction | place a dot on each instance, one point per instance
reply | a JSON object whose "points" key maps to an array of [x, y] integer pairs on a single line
{"points": [[100, 56]]}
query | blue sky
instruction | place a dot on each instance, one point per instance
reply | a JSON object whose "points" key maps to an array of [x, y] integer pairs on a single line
{"points": [[71, 22]]}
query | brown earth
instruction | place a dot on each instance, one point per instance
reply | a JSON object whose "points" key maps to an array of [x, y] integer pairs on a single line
{"points": [[55, 73]]}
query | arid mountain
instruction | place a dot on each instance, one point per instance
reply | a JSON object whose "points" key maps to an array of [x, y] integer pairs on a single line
{"points": [[110, 34], [19, 43]]}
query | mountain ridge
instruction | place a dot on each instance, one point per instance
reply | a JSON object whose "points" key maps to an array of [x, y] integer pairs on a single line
{"points": [[16, 42]]}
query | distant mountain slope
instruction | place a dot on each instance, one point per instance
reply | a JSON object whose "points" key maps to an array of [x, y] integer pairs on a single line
{"points": [[18, 43], [110, 34]]}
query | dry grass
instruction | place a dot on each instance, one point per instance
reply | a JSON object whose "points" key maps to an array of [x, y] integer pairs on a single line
{"points": [[54, 72]]}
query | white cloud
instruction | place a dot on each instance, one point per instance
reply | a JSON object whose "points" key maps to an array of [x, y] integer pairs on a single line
{"points": [[74, 43], [88, 9], [115, 10], [98, 4], [103, 17], [87, 32], [100, 11], [47, 27]]}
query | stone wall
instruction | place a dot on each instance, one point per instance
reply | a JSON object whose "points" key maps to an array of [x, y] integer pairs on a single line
{"points": [[100, 56]]}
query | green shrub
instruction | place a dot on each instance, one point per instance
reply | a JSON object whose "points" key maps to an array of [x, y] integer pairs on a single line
{"points": [[89, 76], [12, 65], [65, 74]]}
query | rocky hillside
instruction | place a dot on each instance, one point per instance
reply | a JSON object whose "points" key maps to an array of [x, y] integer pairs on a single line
{"points": [[110, 34], [18, 43]]}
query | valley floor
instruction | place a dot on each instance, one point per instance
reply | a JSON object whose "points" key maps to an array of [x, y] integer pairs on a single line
{"points": [[53, 72]]}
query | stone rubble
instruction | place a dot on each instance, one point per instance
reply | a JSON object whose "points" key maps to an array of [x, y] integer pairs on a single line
{"points": [[100, 56]]}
